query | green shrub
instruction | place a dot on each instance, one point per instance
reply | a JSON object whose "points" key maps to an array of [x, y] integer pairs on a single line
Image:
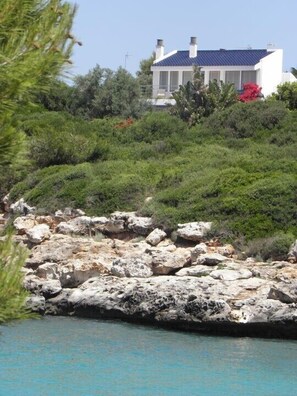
{"points": [[55, 187], [243, 120], [57, 138], [287, 93], [272, 248], [156, 126]]}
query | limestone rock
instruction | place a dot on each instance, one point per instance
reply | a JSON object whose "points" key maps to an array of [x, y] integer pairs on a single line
{"points": [[21, 207], [194, 231], [77, 271], [156, 236], [59, 248], [199, 249], [38, 233], [211, 259], [284, 293], [231, 275], [104, 224], [139, 267], [196, 270], [49, 220], [122, 215], [164, 299], [36, 304], [79, 225], [166, 262], [23, 224], [226, 250], [46, 288], [48, 271], [140, 225]]}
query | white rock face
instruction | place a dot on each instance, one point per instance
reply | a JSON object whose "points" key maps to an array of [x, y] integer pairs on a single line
{"points": [[140, 225], [79, 275], [47, 288], [104, 224], [196, 270], [21, 207], [166, 262], [78, 225], [38, 233], [211, 259], [199, 249], [23, 224], [226, 250], [194, 231], [156, 236], [139, 267], [48, 271], [36, 304], [231, 275]]}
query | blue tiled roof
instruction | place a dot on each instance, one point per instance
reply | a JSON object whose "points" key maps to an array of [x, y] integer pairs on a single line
{"points": [[249, 57]]}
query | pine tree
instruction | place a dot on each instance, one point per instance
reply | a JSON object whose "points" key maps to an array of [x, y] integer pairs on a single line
{"points": [[35, 46]]}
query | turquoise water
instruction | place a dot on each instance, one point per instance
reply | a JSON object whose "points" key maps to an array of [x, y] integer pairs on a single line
{"points": [[68, 356]]}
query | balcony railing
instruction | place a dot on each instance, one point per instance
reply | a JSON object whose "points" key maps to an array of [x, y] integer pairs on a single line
{"points": [[147, 92]]}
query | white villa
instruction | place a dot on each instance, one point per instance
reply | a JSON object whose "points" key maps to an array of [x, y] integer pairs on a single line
{"points": [[261, 66]]}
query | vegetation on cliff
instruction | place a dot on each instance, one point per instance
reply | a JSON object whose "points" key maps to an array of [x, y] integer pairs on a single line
{"points": [[236, 168]]}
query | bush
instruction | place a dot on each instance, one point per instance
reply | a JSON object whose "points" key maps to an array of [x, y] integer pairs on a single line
{"points": [[55, 187], [272, 248], [243, 120], [57, 138], [287, 93], [156, 126]]}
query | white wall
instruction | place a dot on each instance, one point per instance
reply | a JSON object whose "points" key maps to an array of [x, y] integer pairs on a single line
{"points": [[288, 77], [271, 72]]}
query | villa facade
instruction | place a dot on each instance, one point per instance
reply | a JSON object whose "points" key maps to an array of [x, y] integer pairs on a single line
{"points": [[261, 66]]}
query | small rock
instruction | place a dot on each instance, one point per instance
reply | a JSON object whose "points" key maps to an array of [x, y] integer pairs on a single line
{"points": [[156, 236], [196, 270], [38, 233], [199, 249], [231, 275], [48, 271], [194, 231], [21, 207], [140, 225], [211, 259], [24, 223], [36, 304], [139, 267], [226, 250]]}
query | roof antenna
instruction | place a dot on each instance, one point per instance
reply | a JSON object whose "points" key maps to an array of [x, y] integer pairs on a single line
{"points": [[127, 55]]}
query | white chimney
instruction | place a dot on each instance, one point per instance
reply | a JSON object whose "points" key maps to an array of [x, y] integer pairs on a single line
{"points": [[193, 47], [159, 49]]}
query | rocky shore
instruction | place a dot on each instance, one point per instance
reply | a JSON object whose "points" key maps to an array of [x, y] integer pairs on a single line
{"points": [[122, 267]]}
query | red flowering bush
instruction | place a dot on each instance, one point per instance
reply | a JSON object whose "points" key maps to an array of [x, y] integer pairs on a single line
{"points": [[251, 92]]}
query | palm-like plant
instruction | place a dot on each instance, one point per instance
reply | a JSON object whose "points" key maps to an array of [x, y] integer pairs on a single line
{"points": [[196, 100]]}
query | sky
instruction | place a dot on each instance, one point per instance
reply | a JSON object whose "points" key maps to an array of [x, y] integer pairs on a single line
{"points": [[118, 33]]}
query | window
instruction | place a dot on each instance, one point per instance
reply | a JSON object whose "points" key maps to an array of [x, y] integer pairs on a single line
{"points": [[163, 80], [173, 81], [214, 75], [233, 77], [248, 77], [187, 76]]}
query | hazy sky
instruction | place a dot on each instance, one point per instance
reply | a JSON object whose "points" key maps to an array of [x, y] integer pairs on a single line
{"points": [[123, 32]]}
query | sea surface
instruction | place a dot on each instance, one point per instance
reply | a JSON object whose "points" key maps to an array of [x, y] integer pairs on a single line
{"points": [[69, 356]]}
